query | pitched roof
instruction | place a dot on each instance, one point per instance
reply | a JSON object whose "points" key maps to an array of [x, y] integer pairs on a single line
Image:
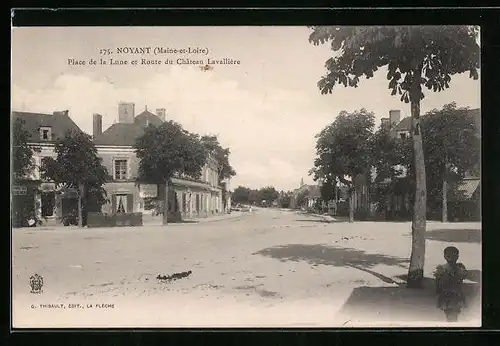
{"points": [[466, 189], [59, 123], [147, 117], [123, 134], [314, 191], [120, 134], [405, 123]]}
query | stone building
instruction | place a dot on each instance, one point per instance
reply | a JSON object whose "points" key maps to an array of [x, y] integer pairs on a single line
{"points": [[31, 194], [188, 198]]}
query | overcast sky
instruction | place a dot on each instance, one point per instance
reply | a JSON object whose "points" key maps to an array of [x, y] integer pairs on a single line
{"points": [[267, 109]]}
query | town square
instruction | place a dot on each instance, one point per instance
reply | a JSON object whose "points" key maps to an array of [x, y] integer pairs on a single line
{"points": [[238, 190]]}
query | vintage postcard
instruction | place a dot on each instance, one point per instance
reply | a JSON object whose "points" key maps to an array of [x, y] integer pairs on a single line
{"points": [[266, 176]]}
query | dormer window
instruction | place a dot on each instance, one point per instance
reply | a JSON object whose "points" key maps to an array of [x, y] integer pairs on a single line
{"points": [[45, 133]]}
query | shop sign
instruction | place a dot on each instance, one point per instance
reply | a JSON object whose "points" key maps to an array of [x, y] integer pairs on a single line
{"points": [[148, 191], [19, 190]]}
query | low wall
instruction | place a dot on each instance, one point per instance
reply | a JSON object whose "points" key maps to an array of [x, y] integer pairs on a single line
{"points": [[114, 220]]}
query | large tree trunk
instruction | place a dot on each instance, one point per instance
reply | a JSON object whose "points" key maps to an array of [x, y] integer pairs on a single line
{"points": [[444, 207], [417, 259], [81, 192], [351, 204], [165, 205], [445, 201]]}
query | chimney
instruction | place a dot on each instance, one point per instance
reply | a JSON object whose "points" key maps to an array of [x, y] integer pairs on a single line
{"points": [[161, 113], [385, 122], [394, 117], [59, 113], [97, 125], [126, 112]]}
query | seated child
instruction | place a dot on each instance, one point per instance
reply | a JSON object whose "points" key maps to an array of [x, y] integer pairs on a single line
{"points": [[449, 278]]}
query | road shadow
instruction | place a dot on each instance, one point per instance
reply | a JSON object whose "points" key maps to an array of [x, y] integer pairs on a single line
{"points": [[471, 290], [455, 235], [320, 220], [184, 221], [400, 304], [334, 256]]}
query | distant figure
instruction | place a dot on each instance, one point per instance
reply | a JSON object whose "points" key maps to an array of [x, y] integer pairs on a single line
{"points": [[449, 279], [32, 220]]}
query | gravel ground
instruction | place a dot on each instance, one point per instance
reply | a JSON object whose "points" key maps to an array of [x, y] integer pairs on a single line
{"points": [[266, 268]]}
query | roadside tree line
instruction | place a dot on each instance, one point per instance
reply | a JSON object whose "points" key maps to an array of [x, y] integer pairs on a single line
{"points": [[350, 147], [163, 151], [264, 196]]}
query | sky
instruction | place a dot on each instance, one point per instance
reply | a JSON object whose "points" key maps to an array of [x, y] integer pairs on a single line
{"points": [[267, 109]]}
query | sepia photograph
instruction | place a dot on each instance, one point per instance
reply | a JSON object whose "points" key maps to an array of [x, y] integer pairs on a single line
{"points": [[245, 177]]}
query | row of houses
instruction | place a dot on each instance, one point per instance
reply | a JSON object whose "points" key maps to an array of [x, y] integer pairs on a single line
{"points": [[466, 204], [188, 198]]}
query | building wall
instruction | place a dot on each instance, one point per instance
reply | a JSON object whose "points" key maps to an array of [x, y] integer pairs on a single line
{"points": [[190, 198], [109, 155]]}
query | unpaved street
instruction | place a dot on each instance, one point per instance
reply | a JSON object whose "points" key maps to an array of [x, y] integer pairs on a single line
{"points": [[265, 268]]}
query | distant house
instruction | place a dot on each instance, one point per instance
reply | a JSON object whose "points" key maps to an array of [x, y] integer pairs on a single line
{"points": [[398, 202], [464, 202], [294, 198], [189, 197], [313, 196], [31, 194]]}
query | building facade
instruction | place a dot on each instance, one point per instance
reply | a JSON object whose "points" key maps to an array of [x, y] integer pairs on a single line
{"points": [[398, 204], [188, 198], [33, 196]]}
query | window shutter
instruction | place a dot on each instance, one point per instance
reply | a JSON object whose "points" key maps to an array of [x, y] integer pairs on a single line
{"points": [[130, 203]]}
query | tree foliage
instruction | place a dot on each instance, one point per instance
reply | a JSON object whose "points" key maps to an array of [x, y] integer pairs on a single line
{"points": [[431, 54], [77, 162], [245, 195], [22, 153], [451, 145], [450, 139], [166, 150], [342, 148], [78, 166], [221, 155], [301, 198], [268, 194], [241, 195]]}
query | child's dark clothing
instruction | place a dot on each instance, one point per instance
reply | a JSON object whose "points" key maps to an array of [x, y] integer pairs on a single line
{"points": [[449, 278]]}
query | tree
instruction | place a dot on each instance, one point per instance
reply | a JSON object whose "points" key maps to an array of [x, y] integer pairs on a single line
{"points": [[327, 189], [416, 56], [77, 166], [451, 147], [253, 197], [343, 151], [168, 150], [301, 198], [268, 194], [22, 153], [284, 200], [221, 155], [241, 194]]}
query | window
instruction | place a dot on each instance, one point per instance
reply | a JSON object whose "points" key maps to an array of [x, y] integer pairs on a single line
{"points": [[45, 133], [121, 169]]}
